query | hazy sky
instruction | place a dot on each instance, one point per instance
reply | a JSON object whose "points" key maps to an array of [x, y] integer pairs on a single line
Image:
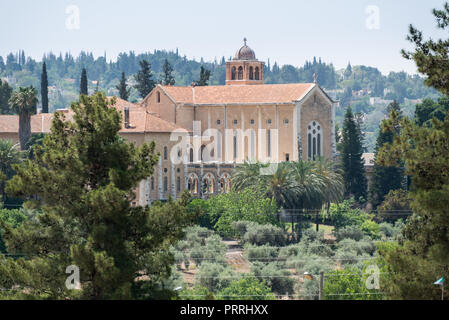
{"points": [[363, 32]]}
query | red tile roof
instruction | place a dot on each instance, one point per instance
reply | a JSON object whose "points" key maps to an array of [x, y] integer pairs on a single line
{"points": [[140, 120], [239, 94]]}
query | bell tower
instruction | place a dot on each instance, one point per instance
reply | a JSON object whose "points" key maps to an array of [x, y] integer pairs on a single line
{"points": [[244, 68]]}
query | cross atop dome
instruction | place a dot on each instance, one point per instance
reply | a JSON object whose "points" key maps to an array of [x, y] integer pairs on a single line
{"points": [[244, 41]]}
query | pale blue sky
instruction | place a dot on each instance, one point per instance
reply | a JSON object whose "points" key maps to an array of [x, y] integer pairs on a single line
{"points": [[284, 31]]}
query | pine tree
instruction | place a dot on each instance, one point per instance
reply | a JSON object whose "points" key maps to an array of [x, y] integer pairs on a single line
{"points": [[204, 77], [386, 178], [144, 80], [351, 157], [44, 89], [82, 180], [168, 79], [83, 83], [412, 265], [122, 88]]}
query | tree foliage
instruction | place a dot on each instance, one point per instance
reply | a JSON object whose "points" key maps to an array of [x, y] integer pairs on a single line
{"points": [[44, 89], [144, 82], [168, 79], [82, 179], [386, 178], [351, 158], [83, 82], [122, 88], [24, 102], [5, 95]]}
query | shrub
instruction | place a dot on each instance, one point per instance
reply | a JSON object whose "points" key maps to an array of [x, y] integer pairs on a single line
{"points": [[396, 203], [201, 208], [346, 214], [213, 250], [315, 264], [390, 231], [347, 284], [197, 235], [257, 234], [365, 246], [309, 289], [12, 218], [260, 253], [196, 293], [371, 228], [214, 276], [279, 279], [250, 204], [247, 289], [349, 232]]}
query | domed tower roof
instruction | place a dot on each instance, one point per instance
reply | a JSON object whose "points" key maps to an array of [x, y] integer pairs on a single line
{"points": [[245, 53]]}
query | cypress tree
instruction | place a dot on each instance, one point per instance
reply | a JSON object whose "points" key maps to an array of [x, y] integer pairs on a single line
{"points": [[204, 77], [44, 89], [83, 83], [386, 178], [122, 88], [351, 157], [168, 80], [144, 81]]}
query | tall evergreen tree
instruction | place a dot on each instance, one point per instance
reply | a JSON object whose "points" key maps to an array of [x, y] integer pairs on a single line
{"points": [[351, 157], [83, 83], [123, 89], [348, 71], [5, 94], [82, 181], [386, 178], [144, 81], [168, 79], [204, 77], [44, 88]]}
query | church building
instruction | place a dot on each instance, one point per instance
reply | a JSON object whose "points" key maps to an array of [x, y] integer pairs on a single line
{"points": [[203, 132]]}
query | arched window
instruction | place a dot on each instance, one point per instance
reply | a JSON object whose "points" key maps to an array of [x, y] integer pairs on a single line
{"points": [[225, 183], [240, 73], [165, 184], [178, 184], [251, 76], [158, 97], [165, 153], [152, 183], [209, 183], [233, 73], [256, 73], [314, 140], [191, 155], [192, 183]]}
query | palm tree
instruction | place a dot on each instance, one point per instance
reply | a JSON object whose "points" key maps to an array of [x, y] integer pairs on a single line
{"points": [[333, 180], [311, 187], [9, 155], [282, 186], [294, 185], [24, 102], [247, 175]]}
